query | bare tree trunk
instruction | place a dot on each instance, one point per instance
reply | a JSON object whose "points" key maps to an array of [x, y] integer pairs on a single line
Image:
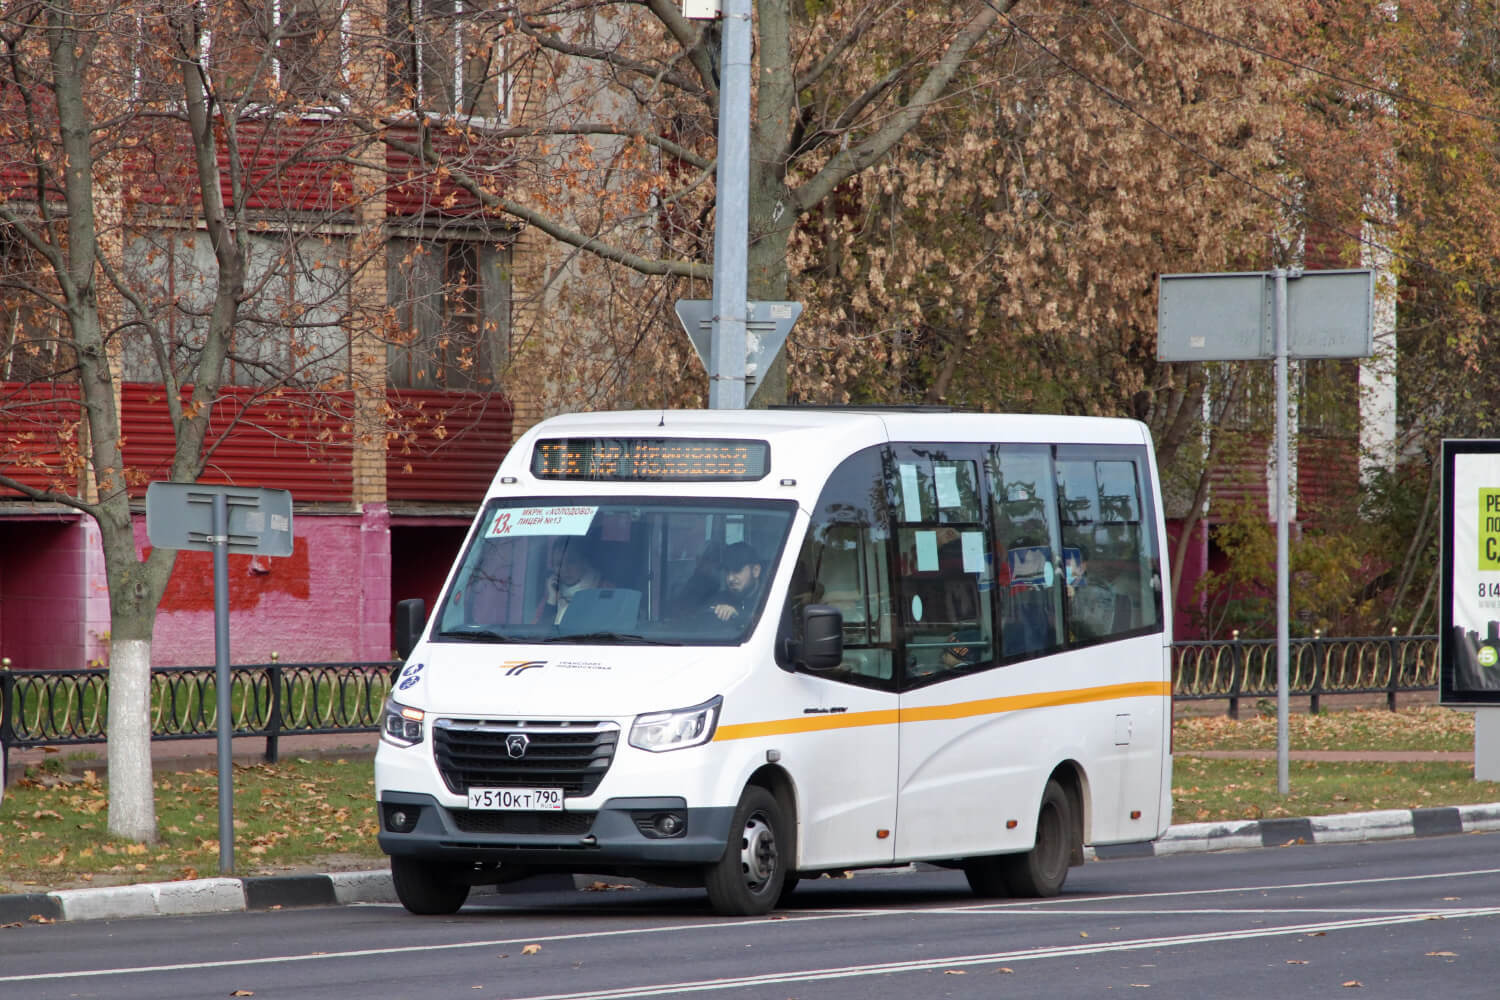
{"points": [[1200, 495], [1416, 545], [132, 804]]}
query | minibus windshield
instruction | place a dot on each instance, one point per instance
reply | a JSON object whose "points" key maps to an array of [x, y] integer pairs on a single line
{"points": [[610, 571]]}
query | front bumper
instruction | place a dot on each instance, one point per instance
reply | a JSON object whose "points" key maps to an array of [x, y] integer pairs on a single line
{"points": [[612, 837]]}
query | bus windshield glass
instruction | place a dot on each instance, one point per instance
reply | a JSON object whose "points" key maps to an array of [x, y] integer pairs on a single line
{"points": [[612, 571]]}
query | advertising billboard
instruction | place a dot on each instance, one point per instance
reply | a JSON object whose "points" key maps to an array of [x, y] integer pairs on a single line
{"points": [[1469, 624]]}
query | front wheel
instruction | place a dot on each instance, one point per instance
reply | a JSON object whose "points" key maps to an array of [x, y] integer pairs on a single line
{"points": [[427, 887], [748, 879], [1041, 870]]}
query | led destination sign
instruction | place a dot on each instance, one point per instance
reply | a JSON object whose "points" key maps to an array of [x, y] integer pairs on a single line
{"points": [[651, 459]]}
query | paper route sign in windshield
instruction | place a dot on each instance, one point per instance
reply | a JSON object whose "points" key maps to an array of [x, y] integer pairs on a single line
{"points": [[541, 521]]}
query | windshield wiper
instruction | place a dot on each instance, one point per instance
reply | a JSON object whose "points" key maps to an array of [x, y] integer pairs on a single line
{"points": [[478, 633], [625, 638]]}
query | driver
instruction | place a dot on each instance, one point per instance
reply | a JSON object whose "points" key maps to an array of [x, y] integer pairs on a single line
{"points": [[742, 582]]}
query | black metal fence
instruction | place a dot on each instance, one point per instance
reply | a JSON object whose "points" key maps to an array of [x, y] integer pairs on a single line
{"points": [[270, 700], [59, 708], [1237, 669]]}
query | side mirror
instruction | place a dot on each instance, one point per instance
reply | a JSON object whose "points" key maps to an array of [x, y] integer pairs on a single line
{"points": [[411, 617], [822, 638]]}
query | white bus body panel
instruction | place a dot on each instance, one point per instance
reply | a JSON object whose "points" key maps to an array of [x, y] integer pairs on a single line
{"points": [[878, 777]]}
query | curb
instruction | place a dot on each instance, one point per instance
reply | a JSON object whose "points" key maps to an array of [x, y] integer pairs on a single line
{"points": [[1387, 824], [227, 895]]}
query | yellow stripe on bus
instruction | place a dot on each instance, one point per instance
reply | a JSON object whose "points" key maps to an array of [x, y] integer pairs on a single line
{"points": [[931, 713]]}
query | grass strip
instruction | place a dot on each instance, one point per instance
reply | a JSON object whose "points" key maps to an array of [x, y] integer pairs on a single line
{"points": [[1213, 790], [299, 815], [1425, 727]]}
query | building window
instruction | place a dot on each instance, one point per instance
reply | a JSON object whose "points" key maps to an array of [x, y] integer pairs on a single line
{"points": [[447, 56], [289, 329], [306, 39], [31, 347], [309, 49], [292, 326], [452, 303]]}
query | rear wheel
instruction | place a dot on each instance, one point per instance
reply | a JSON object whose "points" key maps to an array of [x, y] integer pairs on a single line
{"points": [[428, 887], [748, 879], [1041, 870]]}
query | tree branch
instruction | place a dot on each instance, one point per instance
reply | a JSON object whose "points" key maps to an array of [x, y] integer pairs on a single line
{"points": [[851, 161], [553, 228], [609, 57]]}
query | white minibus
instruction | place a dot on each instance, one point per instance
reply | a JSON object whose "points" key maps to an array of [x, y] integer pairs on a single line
{"points": [[736, 649]]}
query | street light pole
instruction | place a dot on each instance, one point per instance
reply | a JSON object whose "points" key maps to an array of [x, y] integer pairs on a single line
{"points": [[726, 369]]}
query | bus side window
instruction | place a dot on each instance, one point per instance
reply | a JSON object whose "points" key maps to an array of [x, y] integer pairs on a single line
{"points": [[946, 564], [844, 562], [1108, 543], [1022, 497]]}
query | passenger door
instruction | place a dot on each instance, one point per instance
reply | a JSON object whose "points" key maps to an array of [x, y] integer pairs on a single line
{"points": [[845, 757], [958, 772]]}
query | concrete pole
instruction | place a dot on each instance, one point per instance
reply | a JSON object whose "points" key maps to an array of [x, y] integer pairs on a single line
{"points": [[726, 368]]}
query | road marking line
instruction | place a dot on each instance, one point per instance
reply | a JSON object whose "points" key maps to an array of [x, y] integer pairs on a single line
{"points": [[1010, 906], [929, 965]]}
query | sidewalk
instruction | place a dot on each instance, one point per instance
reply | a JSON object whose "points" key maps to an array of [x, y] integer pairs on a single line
{"points": [[218, 895]]}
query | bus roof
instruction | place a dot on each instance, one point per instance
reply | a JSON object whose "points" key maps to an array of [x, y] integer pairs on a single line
{"points": [[807, 442]]}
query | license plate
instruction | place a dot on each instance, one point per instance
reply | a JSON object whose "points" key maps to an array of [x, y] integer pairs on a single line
{"points": [[527, 799]]}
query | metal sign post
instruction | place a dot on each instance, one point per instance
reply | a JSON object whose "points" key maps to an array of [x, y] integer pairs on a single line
{"points": [[1278, 315], [221, 520]]}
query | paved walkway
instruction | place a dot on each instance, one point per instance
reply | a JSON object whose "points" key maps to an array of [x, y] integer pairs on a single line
{"points": [[1393, 756]]}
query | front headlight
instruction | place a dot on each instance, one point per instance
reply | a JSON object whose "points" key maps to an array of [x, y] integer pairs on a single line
{"points": [[401, 725], [684, 727]]}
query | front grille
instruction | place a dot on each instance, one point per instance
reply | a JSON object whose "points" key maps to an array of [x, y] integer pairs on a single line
{"points": [[548, 823], [572, 756]]}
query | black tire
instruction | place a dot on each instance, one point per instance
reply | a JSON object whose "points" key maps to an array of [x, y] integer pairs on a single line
{"points": [[987, 876], [428, 888], [748, 880], [1040, 872]]}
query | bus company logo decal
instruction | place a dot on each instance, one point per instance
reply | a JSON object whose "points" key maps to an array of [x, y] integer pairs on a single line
{"points": [[580, 665], [514, 667]]}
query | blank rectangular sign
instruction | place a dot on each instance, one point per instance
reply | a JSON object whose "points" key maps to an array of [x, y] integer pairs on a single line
{"points": [[181, 516], [1231, 317], [1213, 317]]}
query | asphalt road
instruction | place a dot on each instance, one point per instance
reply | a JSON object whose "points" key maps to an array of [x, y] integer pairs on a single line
{"points": [[1398, 919]]}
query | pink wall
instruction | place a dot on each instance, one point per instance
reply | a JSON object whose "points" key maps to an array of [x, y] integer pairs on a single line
{"points": [[328, 601]]}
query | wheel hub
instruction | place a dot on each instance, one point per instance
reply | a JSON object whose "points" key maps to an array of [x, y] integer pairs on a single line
{"points": [[758, 852]]}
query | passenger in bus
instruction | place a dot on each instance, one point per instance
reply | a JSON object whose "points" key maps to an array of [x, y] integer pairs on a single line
{"points": [[1075, 567], [577, 570], [742, 583], [965, 648]]}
